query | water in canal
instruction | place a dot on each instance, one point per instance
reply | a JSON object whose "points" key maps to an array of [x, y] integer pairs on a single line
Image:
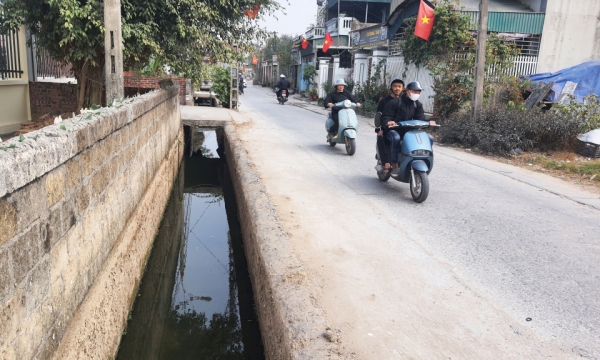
{"points": [[195, 300]]}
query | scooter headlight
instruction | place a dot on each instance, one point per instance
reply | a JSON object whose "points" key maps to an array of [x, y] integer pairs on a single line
{"points": [[347, 103], [420, 152]]}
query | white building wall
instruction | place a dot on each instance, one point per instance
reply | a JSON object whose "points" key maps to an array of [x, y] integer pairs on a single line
{"points": [[323, 76], [571, 34], [361, 70], [338, 72]]}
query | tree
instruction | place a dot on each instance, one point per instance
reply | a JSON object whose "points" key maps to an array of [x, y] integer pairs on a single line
{"points": [[309, 74], [282, 47], [450, 56], [180, 32]]}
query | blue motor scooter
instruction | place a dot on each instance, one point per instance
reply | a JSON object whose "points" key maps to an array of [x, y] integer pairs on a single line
{"points": [[348, 128], [415, 158]]}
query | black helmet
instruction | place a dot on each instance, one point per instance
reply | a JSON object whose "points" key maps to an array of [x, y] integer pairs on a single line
{"points": [[396, 81], [414, 86]]}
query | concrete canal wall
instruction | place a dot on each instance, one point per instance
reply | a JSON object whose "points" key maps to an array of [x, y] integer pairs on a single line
{"points": [[80, 205]]}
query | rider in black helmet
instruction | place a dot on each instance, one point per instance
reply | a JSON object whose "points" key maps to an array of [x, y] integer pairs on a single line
{"points": [[396, 87], [407, 107]]}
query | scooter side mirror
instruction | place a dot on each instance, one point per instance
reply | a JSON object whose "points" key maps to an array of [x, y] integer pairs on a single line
{"points": [[377, 119]]}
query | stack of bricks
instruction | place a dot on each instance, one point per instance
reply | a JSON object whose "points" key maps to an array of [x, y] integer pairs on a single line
{"points": [[43, 121], [140, 85]]}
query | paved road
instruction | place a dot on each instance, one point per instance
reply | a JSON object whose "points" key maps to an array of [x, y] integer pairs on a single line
{"points": [[499, 262]]}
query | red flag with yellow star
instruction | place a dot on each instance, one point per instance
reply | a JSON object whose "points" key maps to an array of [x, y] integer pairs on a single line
{"points": [[425, 20], [304, 43], [328, 42]]}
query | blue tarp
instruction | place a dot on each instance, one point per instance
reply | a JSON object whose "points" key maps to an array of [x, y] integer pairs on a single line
{"points": [[586, 75]]}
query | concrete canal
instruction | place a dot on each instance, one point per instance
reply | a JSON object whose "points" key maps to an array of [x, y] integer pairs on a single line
{"points": [[195, 299]]}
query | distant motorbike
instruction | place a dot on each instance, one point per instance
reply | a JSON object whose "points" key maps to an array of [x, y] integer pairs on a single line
{"points": [[415, 158], [284, 96], [348, 128]]}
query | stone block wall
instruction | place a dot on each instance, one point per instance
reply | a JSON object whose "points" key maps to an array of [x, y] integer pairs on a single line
{"points": [[80, 204], [46, 97]]}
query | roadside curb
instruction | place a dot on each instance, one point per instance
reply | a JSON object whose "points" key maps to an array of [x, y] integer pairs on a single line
{"points": [[292, 325]]}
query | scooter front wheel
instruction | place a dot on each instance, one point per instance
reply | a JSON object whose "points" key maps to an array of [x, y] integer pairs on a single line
{"points": [[350, 146], [419, 188]]}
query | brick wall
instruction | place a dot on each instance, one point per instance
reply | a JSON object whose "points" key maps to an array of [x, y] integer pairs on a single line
{"points": [[80, 205], [47, 97], [141, 85]]}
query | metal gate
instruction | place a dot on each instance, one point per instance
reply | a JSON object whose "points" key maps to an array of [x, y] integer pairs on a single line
{"points": [[421, 74], [10, 56]]}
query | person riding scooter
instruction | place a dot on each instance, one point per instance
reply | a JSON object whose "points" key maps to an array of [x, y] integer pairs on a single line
{"points": [[283, 84], [339, 94], [407, 107], [397, 86]]}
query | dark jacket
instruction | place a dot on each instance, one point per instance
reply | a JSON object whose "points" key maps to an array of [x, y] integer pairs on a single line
{"points": [[383, 102], [402, 109], [336, 96], [283, 84]]}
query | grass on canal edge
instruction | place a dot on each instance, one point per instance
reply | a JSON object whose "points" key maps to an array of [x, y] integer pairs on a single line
{"points": [[561, 164]]}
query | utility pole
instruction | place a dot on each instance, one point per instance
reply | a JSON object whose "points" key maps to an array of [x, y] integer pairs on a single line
{"points": [[480, 60], [113, 51]]}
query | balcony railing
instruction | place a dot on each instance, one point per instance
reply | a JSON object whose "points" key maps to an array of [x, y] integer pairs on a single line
{"points": [[339, 26], [315, 33]]}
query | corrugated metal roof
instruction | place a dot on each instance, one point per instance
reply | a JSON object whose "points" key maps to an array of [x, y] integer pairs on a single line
{"points": [[513, 22]]}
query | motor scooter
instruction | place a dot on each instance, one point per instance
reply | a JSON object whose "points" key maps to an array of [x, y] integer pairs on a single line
{"points": [[415, 160], [284, 96], [348, 128]]}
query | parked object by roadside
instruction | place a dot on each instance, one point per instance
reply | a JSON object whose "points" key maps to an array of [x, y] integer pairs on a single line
{"points": [[590, 144]]}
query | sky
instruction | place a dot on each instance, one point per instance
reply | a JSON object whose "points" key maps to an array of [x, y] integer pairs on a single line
{"points": [[298, 15]]}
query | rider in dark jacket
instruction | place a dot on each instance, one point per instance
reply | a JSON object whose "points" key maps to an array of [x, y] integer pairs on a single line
{"points": [[407, 107], [397, 86], [340, 94], [282, 84]]}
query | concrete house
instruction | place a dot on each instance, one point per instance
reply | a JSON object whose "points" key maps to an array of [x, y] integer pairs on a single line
{"points": [[31, 82], [14, 81]]}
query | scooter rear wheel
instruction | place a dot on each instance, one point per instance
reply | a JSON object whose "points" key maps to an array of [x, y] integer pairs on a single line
{"points": [[420, 188]]}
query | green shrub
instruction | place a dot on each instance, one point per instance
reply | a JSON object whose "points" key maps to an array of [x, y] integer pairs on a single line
{"points": [[328, 87], [308, 74], [587, 112], [371, 91], [504, 131], [221, 84]]}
